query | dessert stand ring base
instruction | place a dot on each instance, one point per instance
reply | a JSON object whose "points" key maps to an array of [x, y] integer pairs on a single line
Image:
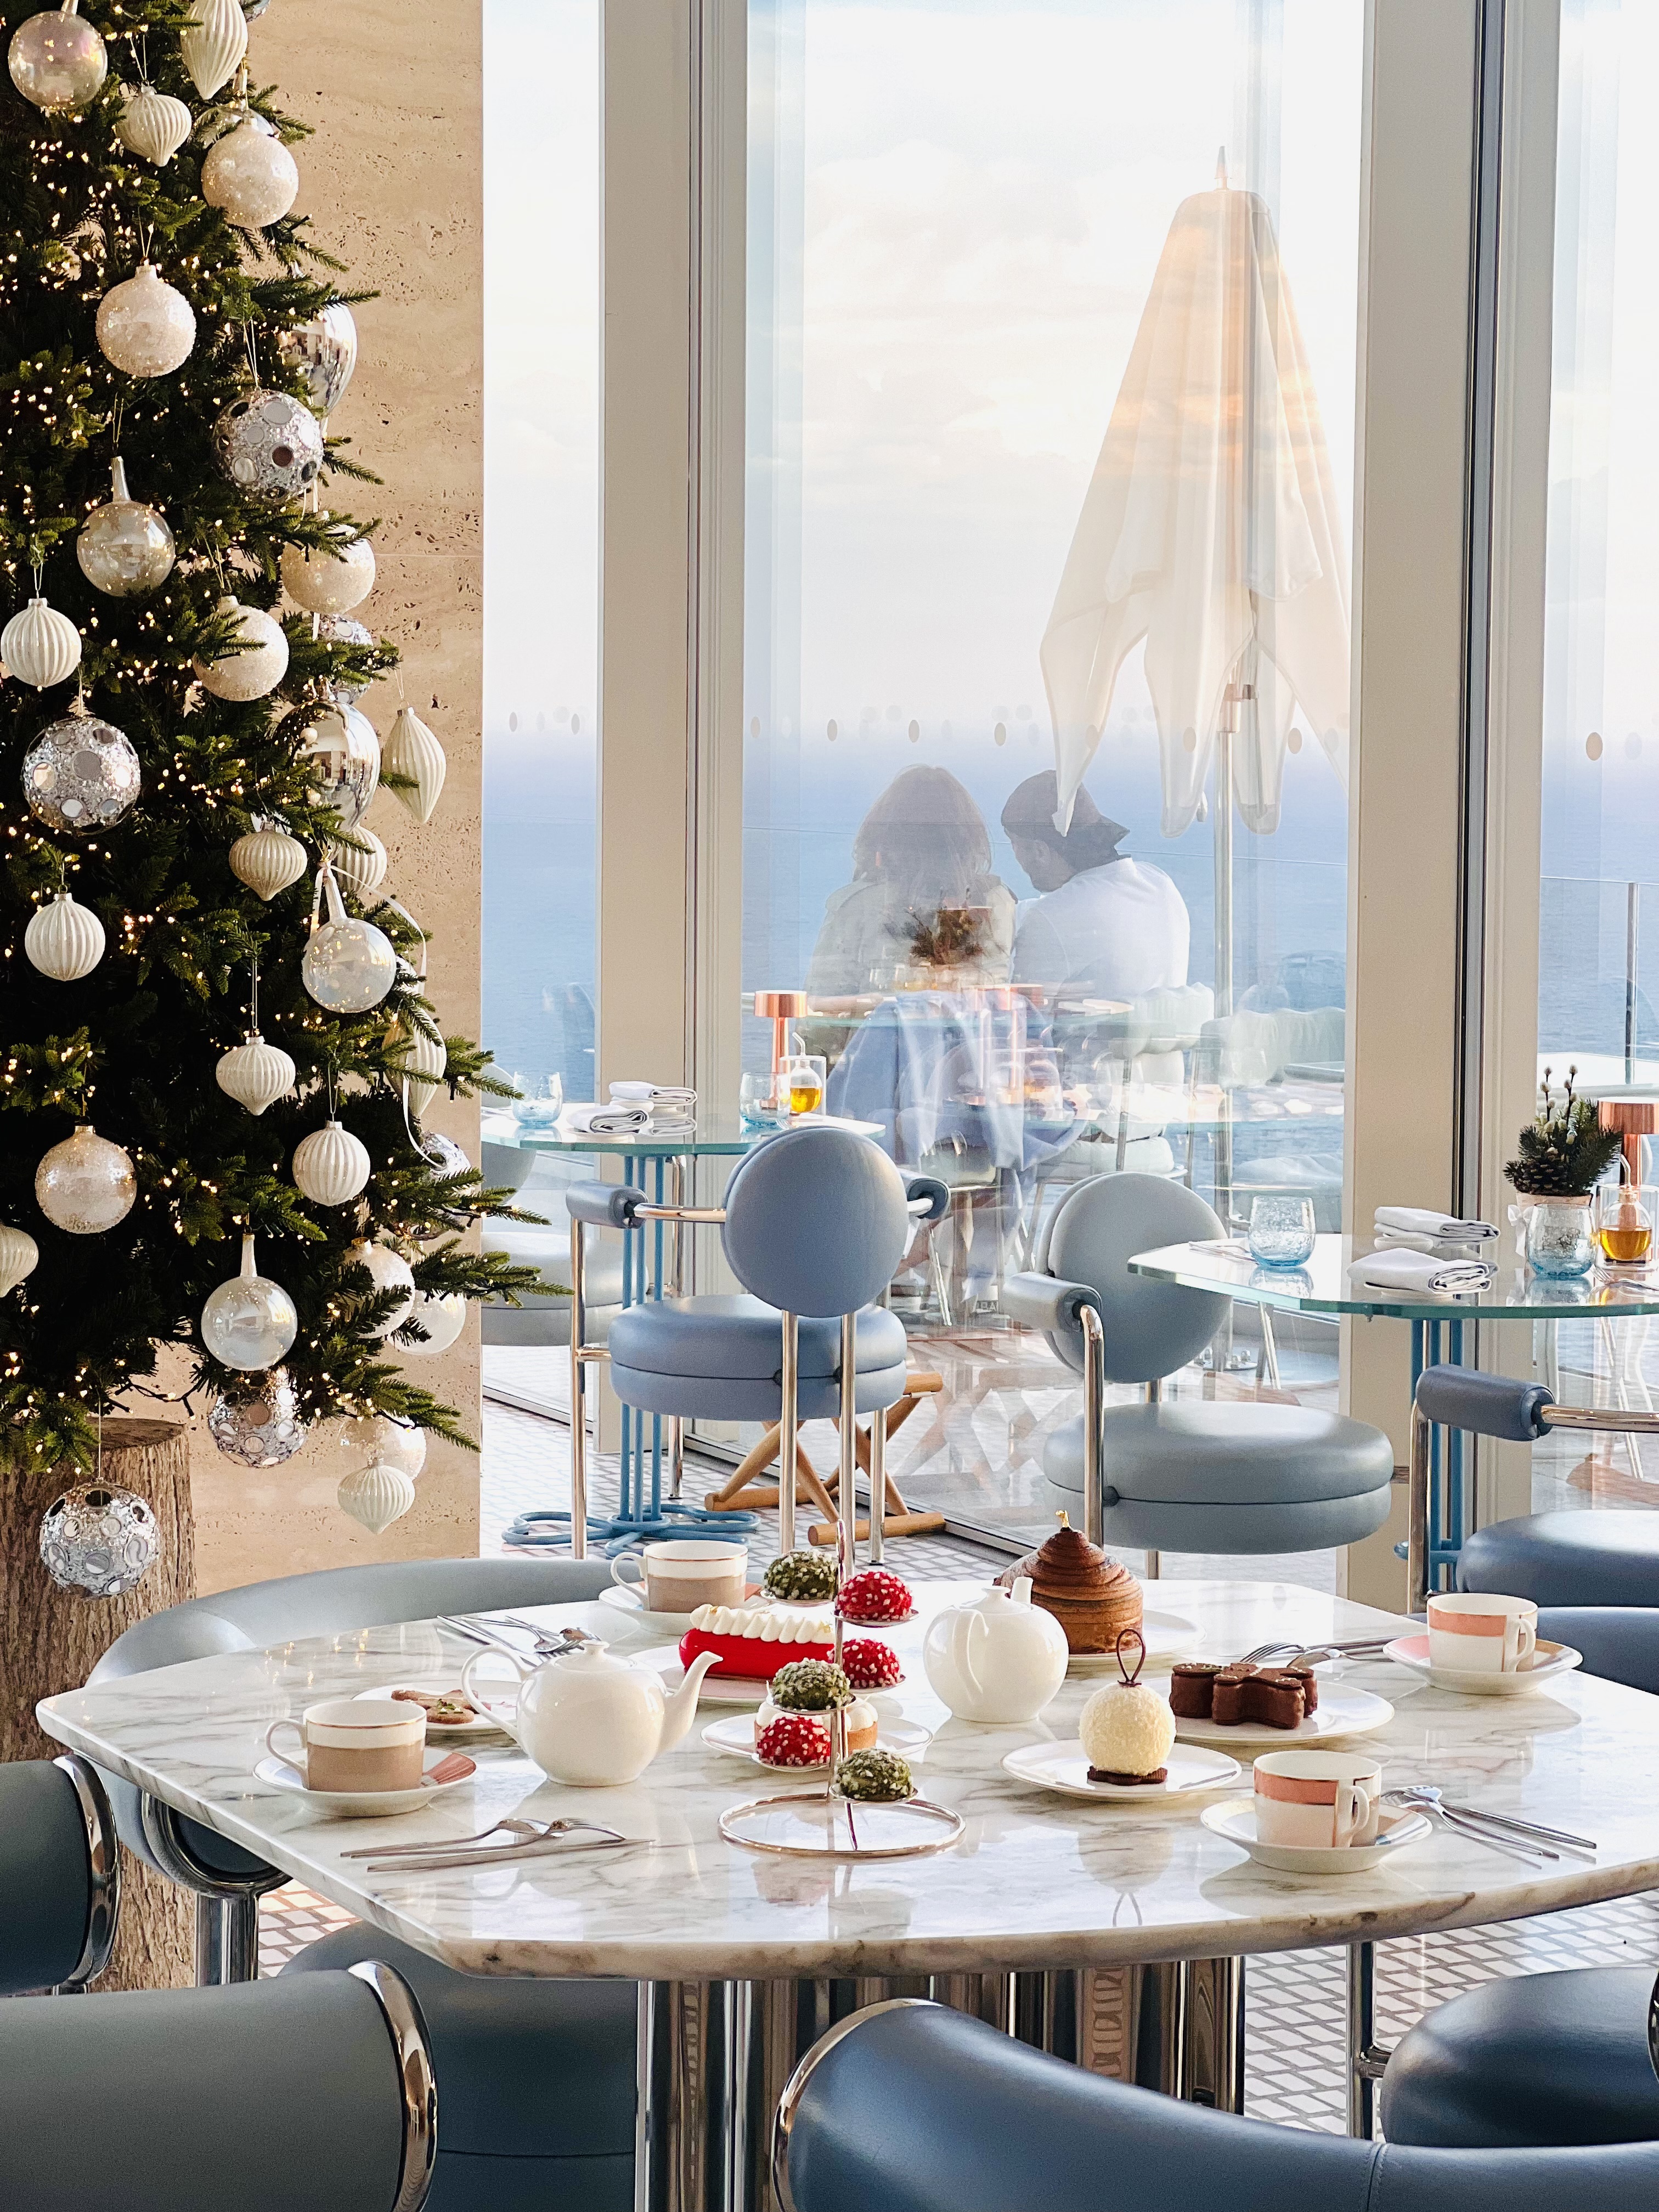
{"points": [[812, 1824]]}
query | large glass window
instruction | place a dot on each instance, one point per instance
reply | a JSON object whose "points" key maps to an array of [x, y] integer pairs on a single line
{"points": [[1051, 403]]}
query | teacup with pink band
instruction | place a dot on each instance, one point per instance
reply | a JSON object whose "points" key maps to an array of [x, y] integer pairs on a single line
{"points": [[1319, 1800], [1475, 1632]]}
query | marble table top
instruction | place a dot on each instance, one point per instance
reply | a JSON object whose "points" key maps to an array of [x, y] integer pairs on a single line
{"points": [[1036, 1880]]}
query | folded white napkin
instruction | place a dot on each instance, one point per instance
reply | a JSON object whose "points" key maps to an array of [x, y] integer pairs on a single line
{"points": [[1419, 1275], [605, 1121], [1441, 1247], [1423, 1221], [653, 1094]]}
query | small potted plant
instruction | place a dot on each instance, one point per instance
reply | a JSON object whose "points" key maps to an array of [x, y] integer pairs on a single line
{"points": [[1563, 1153]]}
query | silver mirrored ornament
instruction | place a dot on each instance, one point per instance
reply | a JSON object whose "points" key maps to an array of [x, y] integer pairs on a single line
{"points": [[269, 446], [324, 352], [124, 548], [101, 1540], [86, 1185], [261, 1427], [58, 61], [343, 629], [343, 754], [249, 1322], [81, 774]]}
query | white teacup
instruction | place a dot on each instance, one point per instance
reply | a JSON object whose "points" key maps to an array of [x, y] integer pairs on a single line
{"points": [[677, 1575], [1320, 1800], [357, 1743], [1474, 1633]]}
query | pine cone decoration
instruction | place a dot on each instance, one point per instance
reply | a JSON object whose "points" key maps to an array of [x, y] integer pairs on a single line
{"points": [[1565, 1150]]}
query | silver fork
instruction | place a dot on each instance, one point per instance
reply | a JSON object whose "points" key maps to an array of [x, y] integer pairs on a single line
{"points": [[1359, 1649], [502, 1854], [527, 1830], [1509, 1847], [1530, 1830]]}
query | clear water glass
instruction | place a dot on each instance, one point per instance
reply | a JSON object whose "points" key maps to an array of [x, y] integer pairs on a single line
{"points": [[1281, 1231], [1560, 1237], [758, 1107]]}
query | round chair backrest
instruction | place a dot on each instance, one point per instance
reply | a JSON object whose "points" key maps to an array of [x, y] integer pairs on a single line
{"points": [[816, 1221], [1151, 1328]]}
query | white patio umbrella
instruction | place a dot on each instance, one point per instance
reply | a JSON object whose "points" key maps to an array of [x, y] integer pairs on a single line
{"points": [[1210, 528]]}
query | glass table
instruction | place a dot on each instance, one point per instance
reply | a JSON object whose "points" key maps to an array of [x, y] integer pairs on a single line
{"points": [[1441, 1331]]}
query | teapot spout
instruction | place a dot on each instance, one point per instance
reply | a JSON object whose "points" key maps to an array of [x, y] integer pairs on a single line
{"points": [[679, 1709]]}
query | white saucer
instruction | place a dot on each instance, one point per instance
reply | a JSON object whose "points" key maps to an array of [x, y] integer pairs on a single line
{"points": [[472, 1731], [1168, 1637], [1549, 1660], [1341, 1712], [736, 1734], [1064, 1767], [1234, 1820], [624, 1601], [355, 1804]]}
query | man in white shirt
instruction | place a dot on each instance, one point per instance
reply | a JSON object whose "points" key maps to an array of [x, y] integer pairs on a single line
{"points": [[1102, 924]]}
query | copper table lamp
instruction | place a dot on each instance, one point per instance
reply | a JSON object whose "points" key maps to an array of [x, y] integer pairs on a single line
{"points": [[779, 1008]]}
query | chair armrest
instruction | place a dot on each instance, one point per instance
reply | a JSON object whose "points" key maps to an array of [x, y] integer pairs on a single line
{"points": [[927, 1198], [1044, 1302], [603, 1205], [46, 1873], [1485, 1404]]}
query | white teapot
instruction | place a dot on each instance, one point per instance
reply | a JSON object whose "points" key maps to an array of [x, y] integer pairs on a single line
{"points": [[1000, 1660], [593, 1720]]}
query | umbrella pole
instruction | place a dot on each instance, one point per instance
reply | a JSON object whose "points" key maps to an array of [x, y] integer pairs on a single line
{"points": [[1223, 841]]}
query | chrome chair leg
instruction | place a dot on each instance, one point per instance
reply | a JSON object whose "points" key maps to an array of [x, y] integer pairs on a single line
{"points": [[1367, 2059], [1094, 1412], [1416, 1516], [846, 1495], [578, 1394], [227, 1904], [789, 1432], [103, 1874], [878, 1482]]}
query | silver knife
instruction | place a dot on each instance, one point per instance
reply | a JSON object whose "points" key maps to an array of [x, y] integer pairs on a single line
{"points": [[515, 1855]]}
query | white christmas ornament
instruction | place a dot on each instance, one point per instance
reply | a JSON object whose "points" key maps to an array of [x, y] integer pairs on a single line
{"points": [[423, 1065], [64, 940], [144, 326], [40, 646], [81, 774], [348, 966], [443, 1319], [153, 125], [377, 1496], [56, 60], [260, 1427], [124, 547], [258, 668], [249, 174], [255, 1074], [323, 350], [19, 1253], [99, 1540], [86, 1185], [389, 1272], [249, 1322], [361, 865], [329, 583], [394, 1443], [411, 750], [213, 44], [268, 860], [331, 1166], [345, 758]]}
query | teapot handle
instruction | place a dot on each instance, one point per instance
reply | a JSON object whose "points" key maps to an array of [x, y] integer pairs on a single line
{"points": [[476, 1697]]}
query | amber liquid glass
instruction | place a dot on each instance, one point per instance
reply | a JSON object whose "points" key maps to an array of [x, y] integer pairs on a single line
{"points": [[806, 1075], [1624, 1225]]}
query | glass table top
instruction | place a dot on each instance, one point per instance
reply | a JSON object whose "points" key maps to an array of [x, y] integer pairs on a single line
{"points": [[1321, 1285], [709, 1135]]}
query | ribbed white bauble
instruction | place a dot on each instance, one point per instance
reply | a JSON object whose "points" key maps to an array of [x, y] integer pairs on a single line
{"points": [[153, 125], [361, 865], [58, 61], [144, 326], [39, 646], [64, 940], [19, 1256], [443, 1319], [86, 1185], [123, 546], [213, 44], [255, 1074], [376, 1496], [411, 750], [329, 583], [249, 1322], [348, 965], [424, 1064], [255, 671], [389, 1272], [250, 175], [268, 860], [394, 1443], [330, 1167]]}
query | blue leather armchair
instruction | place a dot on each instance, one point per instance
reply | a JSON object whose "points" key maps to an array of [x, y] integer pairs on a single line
{"points": [[537, 2077], [1194, 1476], [908, 2107]]}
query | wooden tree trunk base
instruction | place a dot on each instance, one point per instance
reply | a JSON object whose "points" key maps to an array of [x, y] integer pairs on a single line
{"points": [[51, 1640]]}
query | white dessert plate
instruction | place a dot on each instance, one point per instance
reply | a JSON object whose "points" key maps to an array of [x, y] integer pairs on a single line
{"points": [[1065, 1767], [484, 1726], [1234, 1820], [624, 1600], [1341, 1712], [1549, 1660], [358, 1804], [736, 1734], [1168, 1637], [724, 1689]]}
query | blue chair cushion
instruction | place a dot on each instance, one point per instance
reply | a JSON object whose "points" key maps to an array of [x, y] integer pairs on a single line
{"points": [[1620, 1643], [1567, 1559], [722, 1358], [528, 2070], [1546, 2059]]}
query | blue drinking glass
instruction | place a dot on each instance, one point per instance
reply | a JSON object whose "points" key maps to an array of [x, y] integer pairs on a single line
{"points": [[1281, 1231]]}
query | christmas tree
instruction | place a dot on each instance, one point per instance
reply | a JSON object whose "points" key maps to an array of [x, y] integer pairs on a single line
{"points": [[185, 774]]}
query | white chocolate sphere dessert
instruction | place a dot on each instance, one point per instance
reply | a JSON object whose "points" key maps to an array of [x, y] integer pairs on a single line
{"points": [[1128, 1730]]}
